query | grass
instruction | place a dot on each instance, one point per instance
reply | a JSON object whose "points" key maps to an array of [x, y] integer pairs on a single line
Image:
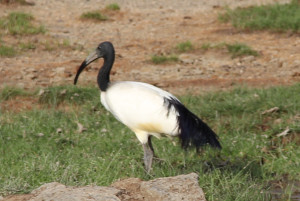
{"points": [[276, 17], [113, 6], [7, 51], [252, 155], [19, 23], [27, 46], [206, 46], [236, 49], [160, 59], [94, 15], [184, 46], [11, 93], [240, 49], [22, 2]]}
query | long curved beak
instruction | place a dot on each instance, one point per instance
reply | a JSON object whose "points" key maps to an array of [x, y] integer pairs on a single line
{"points": [[92, 57]]}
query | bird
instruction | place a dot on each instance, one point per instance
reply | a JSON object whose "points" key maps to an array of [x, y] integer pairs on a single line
{"points": [[146, 109]]}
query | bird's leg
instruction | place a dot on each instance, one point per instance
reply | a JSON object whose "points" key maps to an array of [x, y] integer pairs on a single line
{"points": [[148, 154]]}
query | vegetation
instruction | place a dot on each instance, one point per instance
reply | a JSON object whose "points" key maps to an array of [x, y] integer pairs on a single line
{"points": [[236, 49], [277, 17], [27, 46], [18, 23], [113, 6], [206, 46], [10, 93], [94, 15], [22, 2], [7, 51], [240, 49], [49, 143], [184, 46], [159, 59]]}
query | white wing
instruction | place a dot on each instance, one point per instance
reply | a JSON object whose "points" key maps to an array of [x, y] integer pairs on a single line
{"points": [[142, 108]]}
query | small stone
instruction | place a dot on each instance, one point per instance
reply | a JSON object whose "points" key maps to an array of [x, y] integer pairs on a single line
{"points": [[41, 92], [40, 134], [63, 92], [187, 58]]}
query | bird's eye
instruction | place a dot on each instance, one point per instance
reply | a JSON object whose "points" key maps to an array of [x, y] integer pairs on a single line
{"points": [[99, 47]]}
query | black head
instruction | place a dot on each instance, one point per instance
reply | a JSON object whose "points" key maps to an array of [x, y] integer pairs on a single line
{"points": [[104, 50]]}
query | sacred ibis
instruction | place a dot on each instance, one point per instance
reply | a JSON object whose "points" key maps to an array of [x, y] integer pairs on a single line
{"points": [[147, 110]]}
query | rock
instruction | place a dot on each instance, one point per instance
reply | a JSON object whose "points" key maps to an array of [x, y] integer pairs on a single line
{"points": [[56, 191], [178, 188], [188, 58], [248, 59], [182, 187]]}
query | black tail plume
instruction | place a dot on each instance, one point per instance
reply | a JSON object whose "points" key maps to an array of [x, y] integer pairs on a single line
{"points": [[193, 131]]}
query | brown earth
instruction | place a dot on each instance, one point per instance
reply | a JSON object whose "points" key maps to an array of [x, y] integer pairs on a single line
{"points": [[139, 30]]}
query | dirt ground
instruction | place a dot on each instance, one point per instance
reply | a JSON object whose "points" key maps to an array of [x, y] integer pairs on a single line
{"points": [[141, 29]]}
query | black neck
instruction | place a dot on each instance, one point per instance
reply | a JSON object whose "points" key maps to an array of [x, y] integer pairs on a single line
{"points": [[103, 75]]}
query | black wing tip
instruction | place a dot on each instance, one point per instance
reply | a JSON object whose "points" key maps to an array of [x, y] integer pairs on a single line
{"points": [[193, 131]]}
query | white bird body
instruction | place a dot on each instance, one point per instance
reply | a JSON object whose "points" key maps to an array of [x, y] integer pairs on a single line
{"points": [[147, 110], [141, 107]]}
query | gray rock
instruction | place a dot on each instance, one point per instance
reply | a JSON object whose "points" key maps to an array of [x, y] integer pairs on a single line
{"points": [[188, 58], [178, 188], [182, 187], [56, 191]]}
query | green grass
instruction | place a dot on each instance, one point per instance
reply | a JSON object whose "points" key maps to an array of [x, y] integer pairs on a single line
{"points": [[113, 6], [94, 15], [206, 46], [22, 2], [277, 17], [7, 51], [240, 49], [27, 46], [251, 157], [184, 46], [236, 49], [11, 92], [160, 59], [18, 23]]}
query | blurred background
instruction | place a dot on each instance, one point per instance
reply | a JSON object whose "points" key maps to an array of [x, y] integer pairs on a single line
{"points": [[178, 45]]}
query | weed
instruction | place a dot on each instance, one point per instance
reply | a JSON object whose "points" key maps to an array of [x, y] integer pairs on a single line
{"points": [[66, 43], [206, 46], [184, 46], [6, 51], [240, 49], [11, 92], [278, 17], [54, 44], [235, 49], [94, 15], [27, 46], [18, 23], [22, 2], [113, 6], [159, 59]]}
